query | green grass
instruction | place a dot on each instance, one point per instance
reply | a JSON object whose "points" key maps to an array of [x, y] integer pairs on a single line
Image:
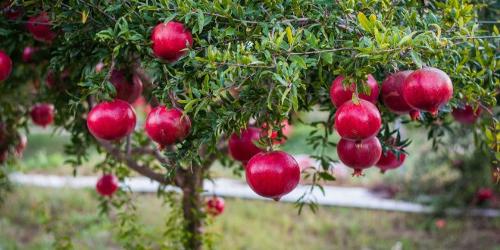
{"points": [[32, 218]]}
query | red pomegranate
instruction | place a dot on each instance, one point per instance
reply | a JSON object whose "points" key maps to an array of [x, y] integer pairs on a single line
{"points": [[484, 194], [21, 144], [28, 53], [389, 160], [42, 114], [215, 206], [466, 114], [242, 147], [10, 11], [427, 89], [167, 126], [339, 94], [359, 155], [125, 89], [170, 41], [357, 121], [107, 185], [272, 174], [40, 27], [392, 94], [5, 66], [111, 120]]}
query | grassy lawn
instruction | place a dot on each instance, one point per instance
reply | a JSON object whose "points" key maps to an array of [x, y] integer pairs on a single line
{"points": [[32, 218]]}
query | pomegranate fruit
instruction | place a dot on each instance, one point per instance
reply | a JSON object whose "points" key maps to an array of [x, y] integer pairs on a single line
{"points": [[484, 194], [5, 66], [107, 185], [28, 53], [170, 41], [389, 160], [392, 94], [215, 206], [10, 11], [466, 114], [167, 126], [242, 147], [340, 94], [272, 174], [42, 114], [40, 27], [111, 120], [357, 121], [427, 89], [125, 89], [359, 155]]}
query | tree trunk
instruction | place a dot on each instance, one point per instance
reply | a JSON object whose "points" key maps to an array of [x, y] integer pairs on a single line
{"points": [[191, 205]]}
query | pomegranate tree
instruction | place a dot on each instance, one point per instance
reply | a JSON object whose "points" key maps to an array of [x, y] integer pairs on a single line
{"points": [[427, 89], [111, 120]]}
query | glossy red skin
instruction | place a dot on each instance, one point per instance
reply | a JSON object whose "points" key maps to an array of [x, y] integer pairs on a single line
{"points": [[357, 121], [28, 53], [111, 120], [5, 66], [359, 155], [484, 194], [170, 40], [167, 126], [339, 94], [466, 114], [392, 92], [389, 160], [126, 90], [215, 206], [107, 185], [243, 147], [40, 27], [427, 89], [42, 114], [21, 145], [272, 174]]}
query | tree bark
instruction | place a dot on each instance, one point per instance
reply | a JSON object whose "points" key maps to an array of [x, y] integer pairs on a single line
{"points": [[192, 186]]}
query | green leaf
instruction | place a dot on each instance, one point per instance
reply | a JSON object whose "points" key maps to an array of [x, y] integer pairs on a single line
{"points": [[364, 22], [289, 35]]}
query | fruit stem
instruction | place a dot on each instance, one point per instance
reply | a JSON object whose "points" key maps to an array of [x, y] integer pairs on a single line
{"points": [[415, 115], [358, 172]]}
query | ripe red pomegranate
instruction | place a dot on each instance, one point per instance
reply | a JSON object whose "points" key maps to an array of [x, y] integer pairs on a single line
{"points": [[42, 114], [215, 206], [484, 194], [357, 121], [107, 185], [466, 114], [167, 126], [40, 27], [242, 147], [170, 41], [125, 89], [359, 155], [28, 53], [392, 94], [21, 145], [339, 94], [5, 65], [389, 160], [272, 174], [111, 120], [427, 89]]}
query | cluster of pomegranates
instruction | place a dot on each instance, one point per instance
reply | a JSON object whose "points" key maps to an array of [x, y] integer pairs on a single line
{"points": [[358, 120]]}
